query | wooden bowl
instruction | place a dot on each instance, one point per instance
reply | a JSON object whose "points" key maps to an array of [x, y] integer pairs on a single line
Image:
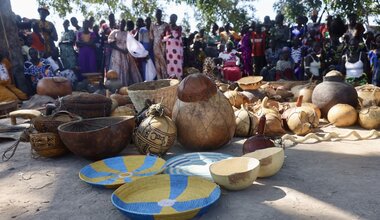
{"points": [[97, 138], [235, 173]]}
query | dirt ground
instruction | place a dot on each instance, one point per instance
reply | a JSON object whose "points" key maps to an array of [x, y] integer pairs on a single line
{"points": [[325, 180]]}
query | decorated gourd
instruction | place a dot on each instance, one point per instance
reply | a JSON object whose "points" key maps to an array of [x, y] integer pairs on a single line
{"points": [[301, 119], [246, 123], [369, 95], [204, 117], [235, 98], [258, 141], [273, 119], [157, 133], [342, 115], [369, 118], [333, 90]]}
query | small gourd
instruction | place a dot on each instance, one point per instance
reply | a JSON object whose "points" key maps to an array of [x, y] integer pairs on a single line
{"points": [[236, 98], [342, 115], [369, 118], [246, 122], [301, 119]]}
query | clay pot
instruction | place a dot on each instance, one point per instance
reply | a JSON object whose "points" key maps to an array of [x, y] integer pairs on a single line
{"points": [[205, 120], [259, 141], [156, 134], [54, 87], [331, 91]]}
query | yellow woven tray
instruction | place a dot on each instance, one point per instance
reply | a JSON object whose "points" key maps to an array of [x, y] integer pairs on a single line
{"points": [[166, 197]]}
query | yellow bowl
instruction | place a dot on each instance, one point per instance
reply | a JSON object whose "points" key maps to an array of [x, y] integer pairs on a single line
{"points": [[271, 160], [235, 173]]}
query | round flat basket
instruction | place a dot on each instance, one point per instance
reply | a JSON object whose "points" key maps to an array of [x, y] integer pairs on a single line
{"points": [[250, 82], [165, 89], [193, 164], [166, 197], [114, 172]]}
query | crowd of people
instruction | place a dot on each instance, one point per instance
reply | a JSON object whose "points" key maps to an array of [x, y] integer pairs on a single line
{"points": [[150, 49]]}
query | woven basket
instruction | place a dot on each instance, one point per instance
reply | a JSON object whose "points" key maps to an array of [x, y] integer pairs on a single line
{"points": [[6, 107], [51, 123], [250, 82], [86, 105], [47, 144], [155, 91]]}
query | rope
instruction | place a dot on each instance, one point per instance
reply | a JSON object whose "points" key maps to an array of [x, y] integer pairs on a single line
{"points": [[373, 134], [23, 138]]}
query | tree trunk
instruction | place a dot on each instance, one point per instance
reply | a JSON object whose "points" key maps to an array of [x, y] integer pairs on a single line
{"points": [[10, 46]]}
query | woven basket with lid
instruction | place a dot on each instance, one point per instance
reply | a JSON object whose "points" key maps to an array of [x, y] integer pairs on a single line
{"points": [[86, 105]]}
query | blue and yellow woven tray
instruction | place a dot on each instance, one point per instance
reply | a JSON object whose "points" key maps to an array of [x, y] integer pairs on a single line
{"points": [[114, 172], [164, 197], [193, 164]]}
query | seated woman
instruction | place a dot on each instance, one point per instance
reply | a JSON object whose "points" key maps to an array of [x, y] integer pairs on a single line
{"points": [[285, 66], [8, 91], [355, 64], [36, 68], [230, 70]]}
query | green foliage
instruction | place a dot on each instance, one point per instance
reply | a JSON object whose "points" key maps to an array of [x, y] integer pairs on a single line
{"points": [[102, 8], [293, 8], [363, 8], [208, 11], [235, 12]]}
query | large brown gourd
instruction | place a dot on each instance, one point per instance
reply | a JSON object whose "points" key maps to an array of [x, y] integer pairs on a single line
{"points": [[204, 117], [333, 90]]}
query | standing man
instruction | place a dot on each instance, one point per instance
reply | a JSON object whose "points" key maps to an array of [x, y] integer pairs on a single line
{"points": [[157, 33], [47, 30]]}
